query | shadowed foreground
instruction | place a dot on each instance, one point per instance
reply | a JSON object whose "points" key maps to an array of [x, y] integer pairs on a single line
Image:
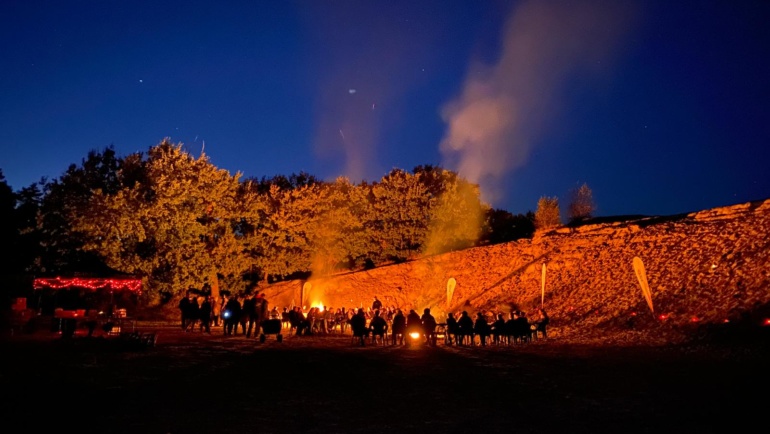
{"points": [[191, 383]]}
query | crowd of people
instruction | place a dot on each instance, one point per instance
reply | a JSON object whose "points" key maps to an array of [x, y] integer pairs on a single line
{"points": [[236, 314], [244, 315]]}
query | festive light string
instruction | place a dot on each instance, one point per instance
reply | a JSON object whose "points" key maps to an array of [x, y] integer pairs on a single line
{"points": [[93, 284]]}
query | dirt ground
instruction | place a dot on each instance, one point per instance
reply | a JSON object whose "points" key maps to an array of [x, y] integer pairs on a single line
{"points": [[198, 383]]}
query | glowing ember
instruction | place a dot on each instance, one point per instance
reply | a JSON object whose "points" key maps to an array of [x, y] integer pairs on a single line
{"points": [[695, 319], [766, 322]]}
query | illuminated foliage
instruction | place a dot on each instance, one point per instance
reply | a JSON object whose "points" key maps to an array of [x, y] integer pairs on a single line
{"points": [[275, 220], [174, 229], [398, 218], [336, 233], [65, 199], [547, 214], [179, 222]]}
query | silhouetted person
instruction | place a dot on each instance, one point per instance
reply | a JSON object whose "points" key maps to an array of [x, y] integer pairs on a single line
{"points": [[262, 309], [300, 322], [185, 305], [231, 314], [523, 329], [542, 323], [452, 328], [464, 328], [376, 304], [378, 326], [358, 325], [481, 328], [398, 328], [498, 329], [428, 326], [204, 315], [413, 325], [250, 313]]}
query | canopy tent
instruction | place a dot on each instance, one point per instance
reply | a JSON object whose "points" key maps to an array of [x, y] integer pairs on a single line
{"points": [[105, 294]]}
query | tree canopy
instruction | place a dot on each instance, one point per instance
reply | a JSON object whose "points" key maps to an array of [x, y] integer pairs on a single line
{"points": [[179, 222]]}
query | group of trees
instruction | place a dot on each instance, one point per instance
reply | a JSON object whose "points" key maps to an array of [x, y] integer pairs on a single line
{"points": [[178, 221], [581, 208]]}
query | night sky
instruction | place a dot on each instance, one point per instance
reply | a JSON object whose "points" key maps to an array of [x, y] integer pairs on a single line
{"points": [[661, 107]]}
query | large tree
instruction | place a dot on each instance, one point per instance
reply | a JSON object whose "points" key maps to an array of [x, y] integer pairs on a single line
{"points": [[66, 199], [398, 216], [275, 222], [175, 229]]}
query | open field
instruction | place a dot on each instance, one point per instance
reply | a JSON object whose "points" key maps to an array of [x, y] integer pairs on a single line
{"points": [[192, 382]]}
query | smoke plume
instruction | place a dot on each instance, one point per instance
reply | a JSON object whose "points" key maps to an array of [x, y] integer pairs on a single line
{"points": [[505, 108]]}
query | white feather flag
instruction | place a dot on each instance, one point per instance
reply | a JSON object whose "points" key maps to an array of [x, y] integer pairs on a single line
{"points": [[641, 275], [450, 290]]}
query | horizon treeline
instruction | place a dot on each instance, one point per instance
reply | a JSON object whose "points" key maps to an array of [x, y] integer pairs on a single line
{"points": [[179, 222]]}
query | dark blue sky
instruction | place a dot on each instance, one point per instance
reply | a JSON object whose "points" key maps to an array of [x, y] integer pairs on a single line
{"points": [[661, 107]]}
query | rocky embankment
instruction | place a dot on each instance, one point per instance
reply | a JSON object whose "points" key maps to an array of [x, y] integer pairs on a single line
{"points": [[705, 270]]}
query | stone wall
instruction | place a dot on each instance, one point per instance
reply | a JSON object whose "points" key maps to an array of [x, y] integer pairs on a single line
{"points": [[707, 267]]}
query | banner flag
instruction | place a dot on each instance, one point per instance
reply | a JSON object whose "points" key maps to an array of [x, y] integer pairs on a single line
{"points": [[450, 290], [641, 275]]}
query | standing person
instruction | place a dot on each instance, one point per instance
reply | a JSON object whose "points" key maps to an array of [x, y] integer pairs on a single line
{"points": [[376, 304], [205, 315], [399, 327], [251, 314], [541, 323], [193, 316], [231, 315], [184, 309], [244, 317], [262, 309], [216, 310]]}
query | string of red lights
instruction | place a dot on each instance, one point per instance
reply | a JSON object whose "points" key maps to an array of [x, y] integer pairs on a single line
{"points": [[134, 285]]}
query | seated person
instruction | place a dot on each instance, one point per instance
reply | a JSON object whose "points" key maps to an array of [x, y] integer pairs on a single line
{"points": [[498, 330], [428, 326], [481, 328], [464, 328], [451, 328], [521, 332], [358, 326], [378, 326], [541, 324]]}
